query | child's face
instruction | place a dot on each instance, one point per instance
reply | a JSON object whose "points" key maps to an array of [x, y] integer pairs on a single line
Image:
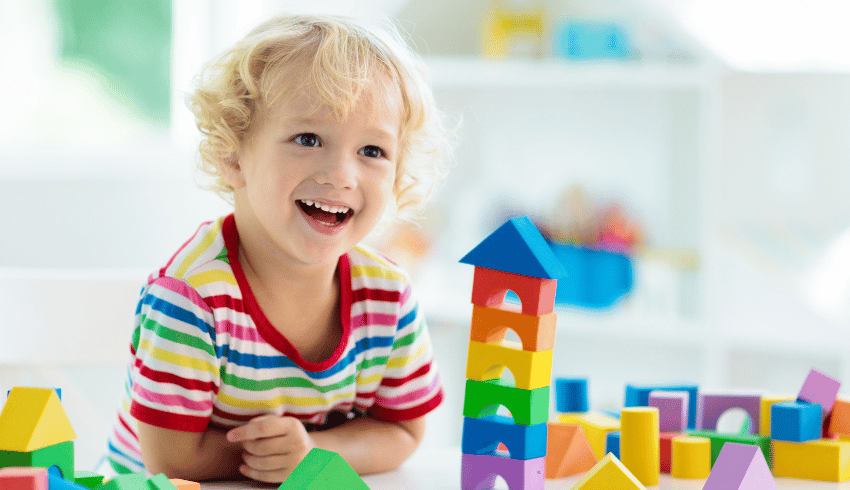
{"points": [[309, 187]]}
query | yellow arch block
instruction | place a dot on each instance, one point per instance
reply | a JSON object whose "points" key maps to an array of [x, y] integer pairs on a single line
{"points": [[33, 418], [531, 369], [691, 457]]}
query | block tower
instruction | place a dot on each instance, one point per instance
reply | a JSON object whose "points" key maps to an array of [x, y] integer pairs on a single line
{"points": [[513, 258]]}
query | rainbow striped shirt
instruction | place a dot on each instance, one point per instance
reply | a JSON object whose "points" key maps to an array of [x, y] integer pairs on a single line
{"points": [[204, 354]]}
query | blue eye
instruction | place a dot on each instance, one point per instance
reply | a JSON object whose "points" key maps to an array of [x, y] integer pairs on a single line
{"points": [[372, 151], [307, 139]]}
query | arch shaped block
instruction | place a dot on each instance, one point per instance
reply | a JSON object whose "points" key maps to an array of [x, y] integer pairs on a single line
{"points": [[537, 332], [528, 407], [713, 405], [531, 370], [483, 435], [537, 295], [479, 472]]}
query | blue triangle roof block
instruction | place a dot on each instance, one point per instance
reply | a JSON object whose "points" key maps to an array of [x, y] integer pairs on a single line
{"points": [[519, 248]]}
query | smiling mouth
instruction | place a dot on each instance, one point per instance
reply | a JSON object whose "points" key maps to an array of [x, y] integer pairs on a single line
{"points": [[325, 214]]}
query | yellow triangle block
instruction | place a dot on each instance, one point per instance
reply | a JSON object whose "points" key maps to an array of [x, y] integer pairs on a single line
{"points": [[33, 418], [609, 474]]}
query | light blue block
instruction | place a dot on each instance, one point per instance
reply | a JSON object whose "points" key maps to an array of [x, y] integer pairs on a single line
{"points": [[482, 436], [795, 421], [571, 395], [612, 443]]}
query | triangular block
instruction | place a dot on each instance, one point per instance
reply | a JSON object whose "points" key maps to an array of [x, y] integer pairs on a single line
{"points": [[740, 467], [130, 481], [568, 451], [33, 418], [323, 470], [519, 248], [184, 484], [160, 482], [607, 474]]}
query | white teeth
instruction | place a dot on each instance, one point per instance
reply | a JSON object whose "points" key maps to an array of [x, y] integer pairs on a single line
{"points": [[325, 207]]}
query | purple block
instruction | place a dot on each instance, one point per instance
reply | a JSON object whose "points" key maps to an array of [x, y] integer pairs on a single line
{"points": [[821, 389], [713, 405], [740, 467], [672, 409], [479, 472]]}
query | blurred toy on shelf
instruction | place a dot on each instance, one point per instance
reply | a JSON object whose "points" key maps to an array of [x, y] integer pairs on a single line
{"points": [[514, 28], [583, 40]]}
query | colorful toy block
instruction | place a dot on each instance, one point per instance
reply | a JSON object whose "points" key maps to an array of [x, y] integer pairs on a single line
{"points": [[568, 451], [21, 478], [740, 467], [690, 457], [612, 443], [536, 332], [665, 446], [489, 288], [160, 482], [482, 436], [480, 471], [323, 470], [190, 485], [88, 479], [571, 395], [60, 455], [530, 369], [764, 412], [819, 388], [718, 440], [609, 473], [824, 459], [639, 443], [638, 396], [795, 421], [713, 405], [839, 422], [528, 407], [503, 25], [56, 482], [132, 481], [519, 248], [33, 418], [596, 427], [672, 409]]}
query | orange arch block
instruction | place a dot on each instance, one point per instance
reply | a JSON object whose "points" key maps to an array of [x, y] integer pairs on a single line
{"points": [[537, 333], [490, 286], [568, 451]]}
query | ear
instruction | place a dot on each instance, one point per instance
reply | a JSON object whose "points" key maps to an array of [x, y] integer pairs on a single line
{"points": [[231, 171]]}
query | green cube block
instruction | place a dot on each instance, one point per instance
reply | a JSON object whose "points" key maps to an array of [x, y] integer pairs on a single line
{"points": [[60, 455], [719, 439], [528, 407], [160, 482], [133, 481], [323, 470]]}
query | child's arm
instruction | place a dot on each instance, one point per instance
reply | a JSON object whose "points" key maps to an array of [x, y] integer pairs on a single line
{"points": [[275, 445], [194, 456]]}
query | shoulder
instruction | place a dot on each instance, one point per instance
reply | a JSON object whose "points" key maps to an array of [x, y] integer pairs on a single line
{"points": [[372, 269]]}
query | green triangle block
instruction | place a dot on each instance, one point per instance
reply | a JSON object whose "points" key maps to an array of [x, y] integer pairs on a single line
{"points": [[133, 481], [88, 479], [323, 470], [160, 482]]}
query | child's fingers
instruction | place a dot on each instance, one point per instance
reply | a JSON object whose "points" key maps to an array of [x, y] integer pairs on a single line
{"points": [[258, 428], [275, 476]]}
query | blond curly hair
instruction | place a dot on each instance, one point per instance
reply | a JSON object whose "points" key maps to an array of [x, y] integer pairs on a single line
{"points": [[334, 57]]}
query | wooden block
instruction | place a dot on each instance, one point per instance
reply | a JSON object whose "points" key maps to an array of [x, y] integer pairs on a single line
{"points": [[839, 422], [571, 395], [713, 405], [764, 413], [795, 421], [824, 459], [33, 418], [490, 325], [608, 474], [821, 389], [23, 478], [719, 439], [531, 370], [479, 472], [595, 426], [528, 407], [536, 295], [639, 443], [690, 457], [483, 435], [672, 409], [60, 455], [665, 446], [323, 470], [740, 467], [568, 451]]}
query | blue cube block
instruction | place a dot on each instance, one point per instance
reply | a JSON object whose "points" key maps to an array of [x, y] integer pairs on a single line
{"points": [[612, 443], [482, 437], [571, 395], [795, 421]]}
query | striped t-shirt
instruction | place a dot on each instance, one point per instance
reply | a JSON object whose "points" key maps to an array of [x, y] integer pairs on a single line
{"points": [[204, 354]]}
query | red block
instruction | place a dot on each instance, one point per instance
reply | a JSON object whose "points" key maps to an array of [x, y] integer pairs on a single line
{"points": [[490, 286], [666, 444], [839, 419], [18, 478]]}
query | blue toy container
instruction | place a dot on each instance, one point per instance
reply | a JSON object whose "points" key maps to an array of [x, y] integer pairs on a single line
{"points": [[595, 278]]}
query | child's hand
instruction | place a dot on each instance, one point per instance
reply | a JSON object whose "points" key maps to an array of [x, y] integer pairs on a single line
{"points": [[273, 447]]}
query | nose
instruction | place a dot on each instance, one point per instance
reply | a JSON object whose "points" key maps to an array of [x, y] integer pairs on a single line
{"points": [[337, 169]]}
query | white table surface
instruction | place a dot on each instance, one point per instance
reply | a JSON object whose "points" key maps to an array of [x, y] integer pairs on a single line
{"points": [[440, 470]]}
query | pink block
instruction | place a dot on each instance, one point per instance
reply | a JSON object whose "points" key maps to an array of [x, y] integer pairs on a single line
{"points": [[479, 472], [20, 478], [740, 467], [672, 409], [712, 406], [819, 388]]}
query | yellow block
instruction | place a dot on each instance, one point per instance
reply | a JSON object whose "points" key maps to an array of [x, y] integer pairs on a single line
{"points": [[690, 457], [608, 474], [764, 417], [824, 459], [595, 426], [531, 369], [640, 449], [33, 418]]}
